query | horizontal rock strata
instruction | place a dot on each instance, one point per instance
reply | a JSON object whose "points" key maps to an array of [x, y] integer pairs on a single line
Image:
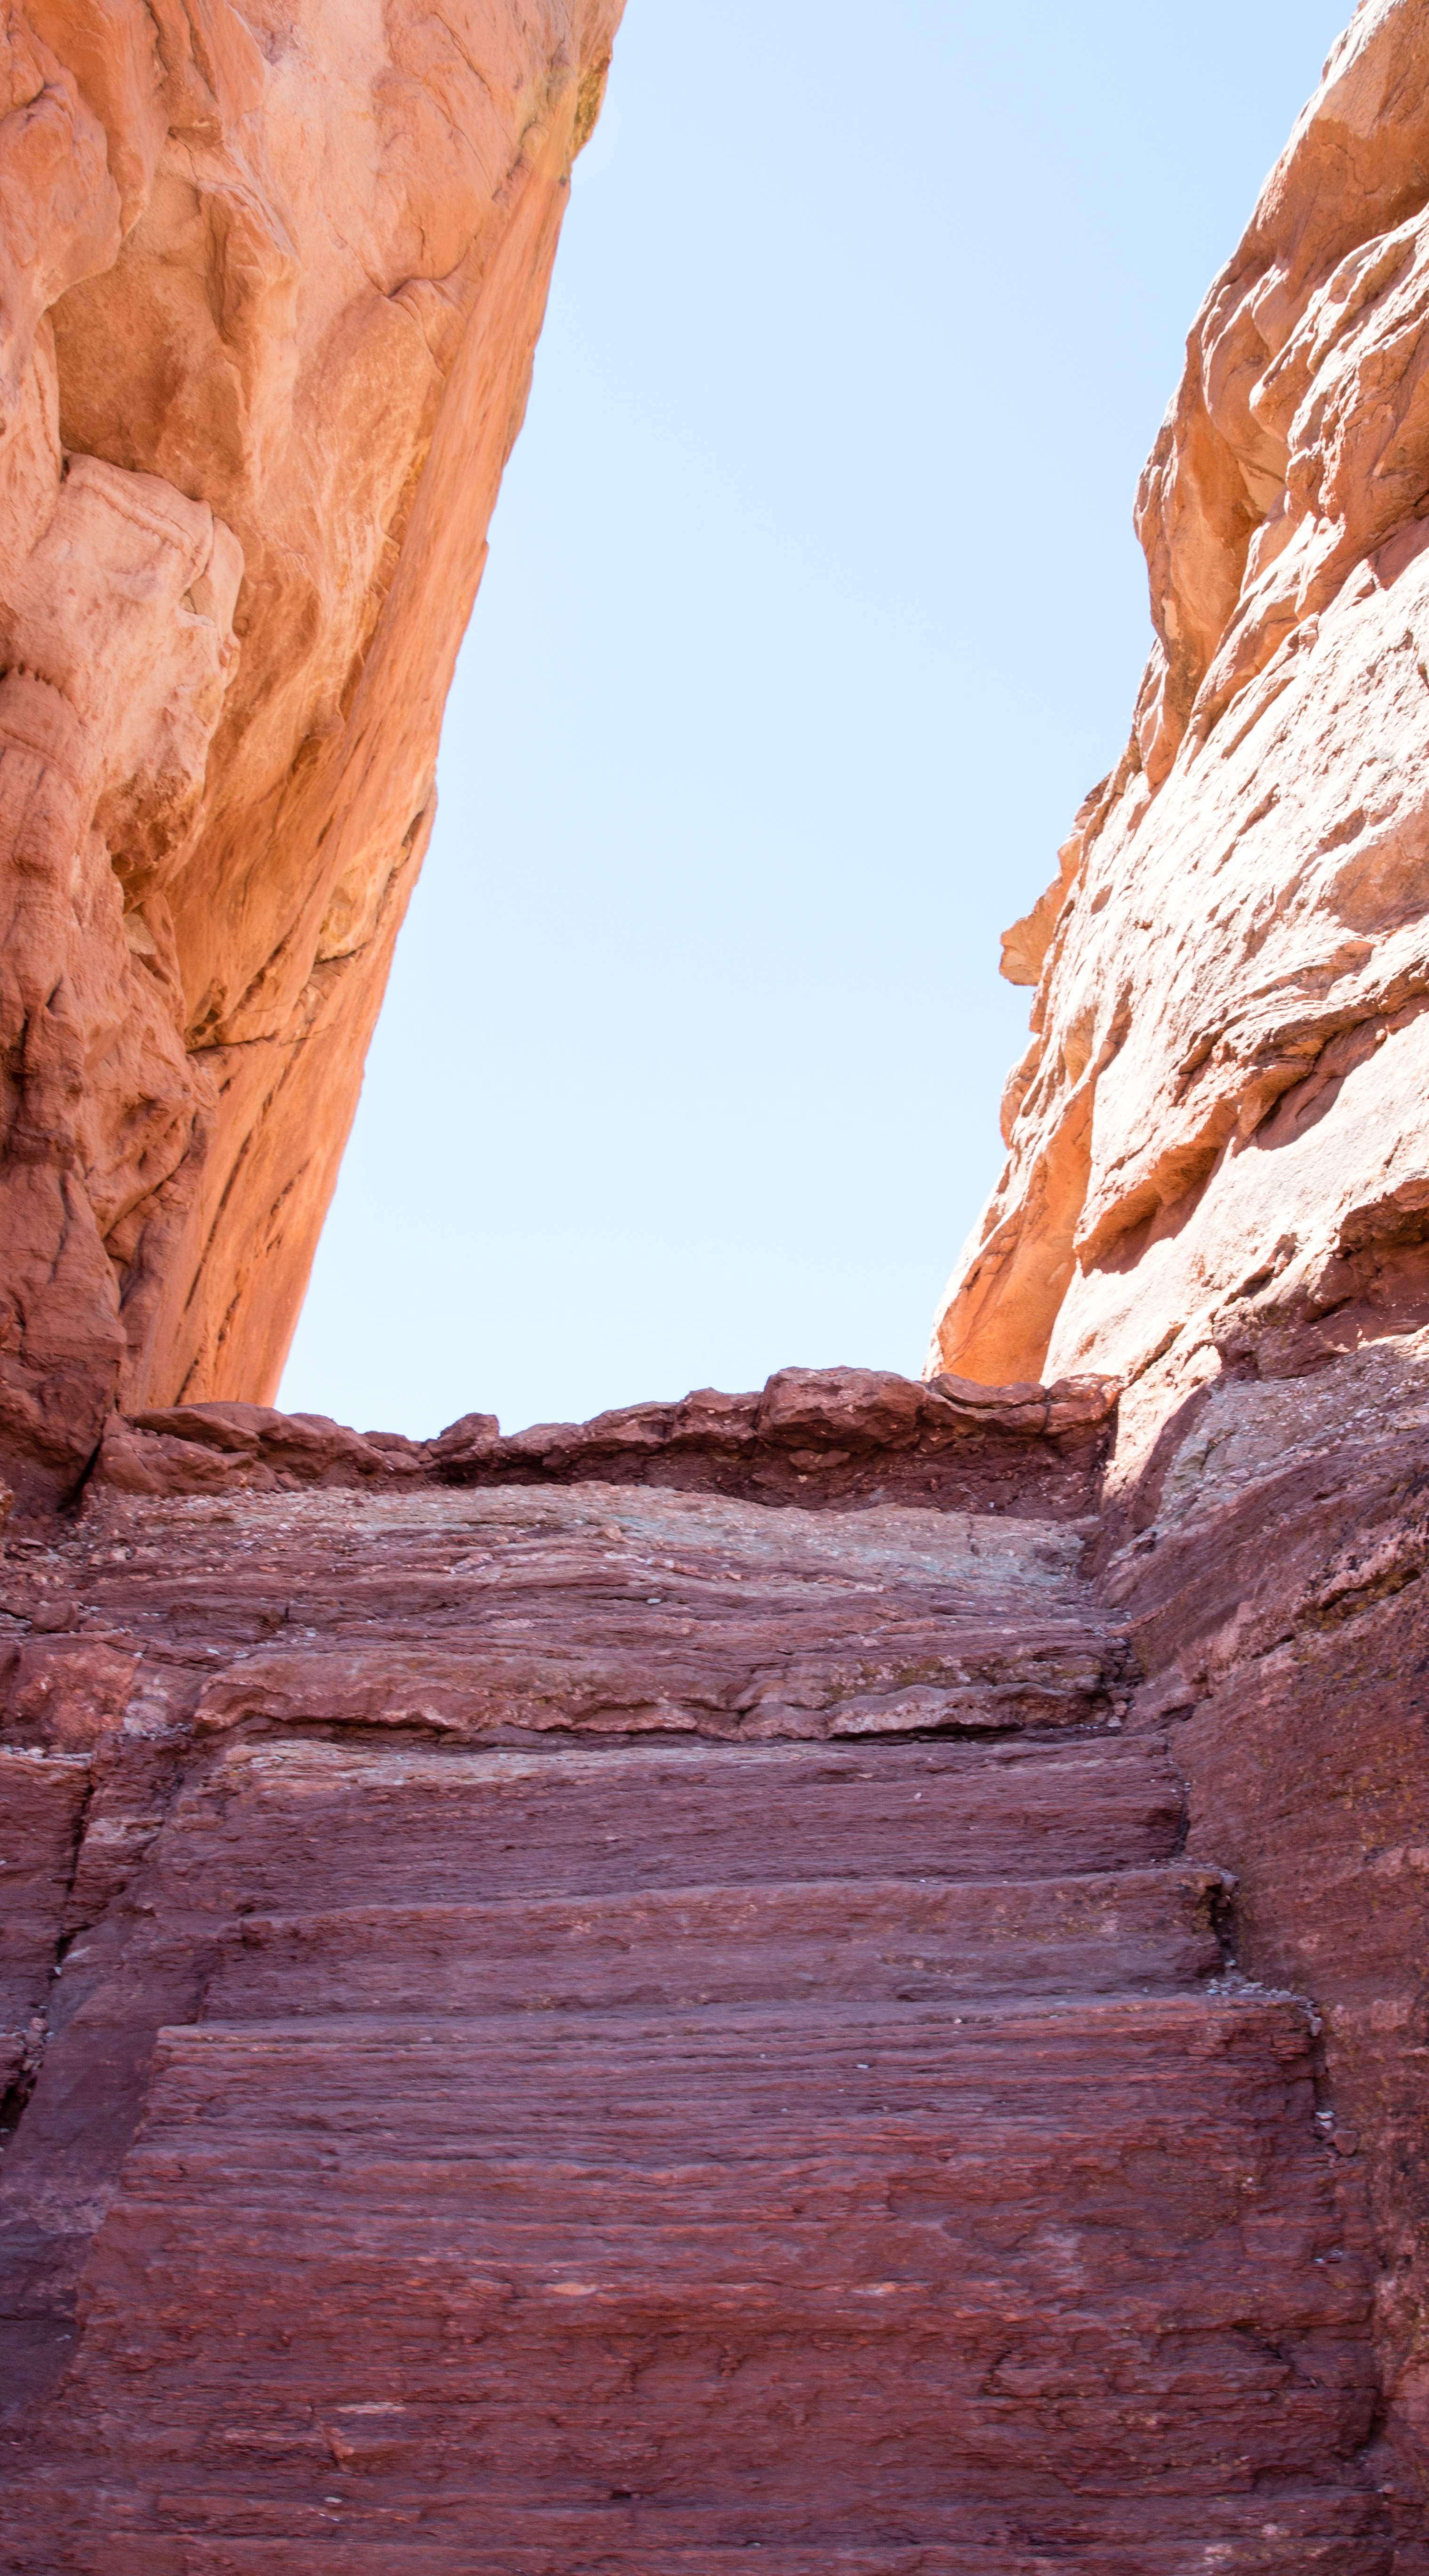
{"points": [[831, 1974], [1217, 1133], [821, 1438], [591, 2024]]}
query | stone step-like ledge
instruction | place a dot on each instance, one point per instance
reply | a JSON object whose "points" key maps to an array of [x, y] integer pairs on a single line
{"points": [[818, 1439]]}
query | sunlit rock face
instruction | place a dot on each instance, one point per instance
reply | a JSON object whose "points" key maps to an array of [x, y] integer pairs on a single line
{"points": [[270, 282], [1218, 1134], [1217, 1190]]}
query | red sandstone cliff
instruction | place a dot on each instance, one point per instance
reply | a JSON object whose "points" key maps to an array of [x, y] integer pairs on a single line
{"points": [[833, 1973], [271, 281], [1217, 1134], [654, 1997]]}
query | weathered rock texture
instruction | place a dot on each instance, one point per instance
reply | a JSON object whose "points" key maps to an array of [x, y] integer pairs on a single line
{"points": [[1218, 1180], [830, 1437], [270, 281], [448, 1885], [1219, 1131], [567, 2024]]}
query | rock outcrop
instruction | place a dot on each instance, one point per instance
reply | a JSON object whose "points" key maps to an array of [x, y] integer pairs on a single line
{"points": [[1218, 1133], [270, 281], [579, 2024], [448, 1885], [1218, 1179], [828, 1437]]}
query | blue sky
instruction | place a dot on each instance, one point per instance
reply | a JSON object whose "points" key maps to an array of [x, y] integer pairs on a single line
{"points": [[812, 611]]}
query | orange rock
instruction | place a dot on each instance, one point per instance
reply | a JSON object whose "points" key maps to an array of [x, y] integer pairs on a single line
{"points": [[270, 291], [1217, 1190], [1219, 1133]]}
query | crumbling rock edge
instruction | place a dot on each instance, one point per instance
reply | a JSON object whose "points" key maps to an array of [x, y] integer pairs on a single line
{"points": [[822, 1438]]}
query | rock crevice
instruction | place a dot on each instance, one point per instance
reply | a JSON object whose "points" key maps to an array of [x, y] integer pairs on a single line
{"points": [[832, 1971]]}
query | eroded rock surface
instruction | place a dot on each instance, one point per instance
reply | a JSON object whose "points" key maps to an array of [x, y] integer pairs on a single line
{"points": [[835, 1972], [830, 1437], [1218, 1130], [1218, 1178], [569, 2024], [270, 282]]}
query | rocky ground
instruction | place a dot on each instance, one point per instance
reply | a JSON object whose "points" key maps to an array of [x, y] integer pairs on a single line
{"points": [[568, 2025]]}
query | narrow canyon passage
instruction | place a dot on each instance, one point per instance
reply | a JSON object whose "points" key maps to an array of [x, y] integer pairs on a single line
{"points": [[608, 2028], [836, 1972]]}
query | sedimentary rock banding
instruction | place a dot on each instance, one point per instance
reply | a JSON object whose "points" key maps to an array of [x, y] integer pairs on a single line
{"points": [[479, 2125]]}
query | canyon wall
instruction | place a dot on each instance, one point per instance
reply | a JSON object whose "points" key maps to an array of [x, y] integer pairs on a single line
{"points": [[1218, 1138], [452, 1886], [1217, 1188], [271, 280], [446, 1883]]}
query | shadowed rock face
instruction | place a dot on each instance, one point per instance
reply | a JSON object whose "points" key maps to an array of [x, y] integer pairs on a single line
{"points": [[270, 282]]}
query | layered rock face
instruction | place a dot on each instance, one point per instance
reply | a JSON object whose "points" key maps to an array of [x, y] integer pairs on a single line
{"points": [[600, 2021], [271, 281], [1218, 1133], [1218, 1178], [834, 1973]]}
